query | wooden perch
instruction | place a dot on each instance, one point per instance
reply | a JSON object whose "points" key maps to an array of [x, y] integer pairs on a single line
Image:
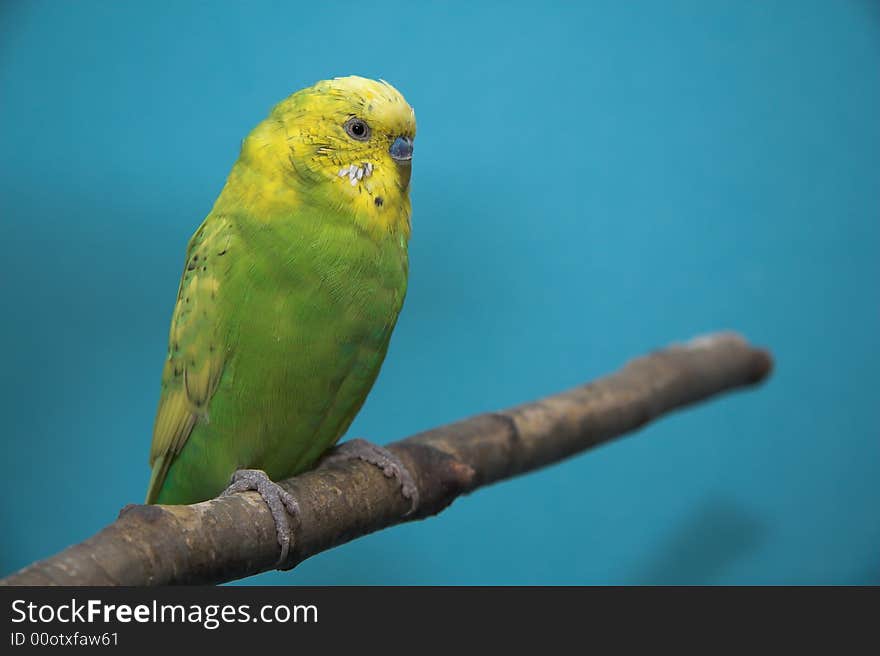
{"points": [[233, 537]]}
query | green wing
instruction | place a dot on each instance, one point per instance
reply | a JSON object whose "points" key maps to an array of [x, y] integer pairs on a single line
{"points": [[197, 349]]}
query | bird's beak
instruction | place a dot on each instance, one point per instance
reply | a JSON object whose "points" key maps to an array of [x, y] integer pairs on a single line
{"points": [[402, 150]]}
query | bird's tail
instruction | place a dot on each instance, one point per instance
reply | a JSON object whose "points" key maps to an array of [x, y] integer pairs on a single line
{"points": [[157, 478]]}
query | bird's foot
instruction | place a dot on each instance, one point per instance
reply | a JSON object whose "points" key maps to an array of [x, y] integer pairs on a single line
{"points": [[278, 499], [390, 465]]}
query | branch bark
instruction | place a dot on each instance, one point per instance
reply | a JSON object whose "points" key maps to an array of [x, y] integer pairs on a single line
{"points": [[233, 537]]}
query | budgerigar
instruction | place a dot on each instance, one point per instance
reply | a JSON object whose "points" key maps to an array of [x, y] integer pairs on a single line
{"points": [[291, 288]]}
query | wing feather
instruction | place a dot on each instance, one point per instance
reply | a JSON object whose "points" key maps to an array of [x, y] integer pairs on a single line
{"points": [[197, 350]]}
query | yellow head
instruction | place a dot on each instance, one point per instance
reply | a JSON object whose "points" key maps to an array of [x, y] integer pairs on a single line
{"points": [[345, 142]]}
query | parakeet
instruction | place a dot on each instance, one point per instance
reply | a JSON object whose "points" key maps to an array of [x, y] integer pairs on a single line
{"points": [[291, 289]]}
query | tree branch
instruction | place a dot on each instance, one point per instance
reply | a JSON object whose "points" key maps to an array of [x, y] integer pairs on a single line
{"points": [[233, 537]]}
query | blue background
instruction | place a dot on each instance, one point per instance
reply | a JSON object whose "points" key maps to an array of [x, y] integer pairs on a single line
{"points": [[590, 182]]}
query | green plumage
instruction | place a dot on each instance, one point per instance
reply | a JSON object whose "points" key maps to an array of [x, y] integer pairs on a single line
{"points": [[287, 303]]}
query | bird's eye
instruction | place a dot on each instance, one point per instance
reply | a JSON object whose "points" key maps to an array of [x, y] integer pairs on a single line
{"points": [[357, 129]]}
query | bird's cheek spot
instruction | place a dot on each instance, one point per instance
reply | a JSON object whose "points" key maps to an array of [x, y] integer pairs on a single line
{"points": [[379, 201]]}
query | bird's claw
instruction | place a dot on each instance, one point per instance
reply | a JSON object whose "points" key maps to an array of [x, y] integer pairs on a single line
{"points": [[382, 458], [279, 501]]}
